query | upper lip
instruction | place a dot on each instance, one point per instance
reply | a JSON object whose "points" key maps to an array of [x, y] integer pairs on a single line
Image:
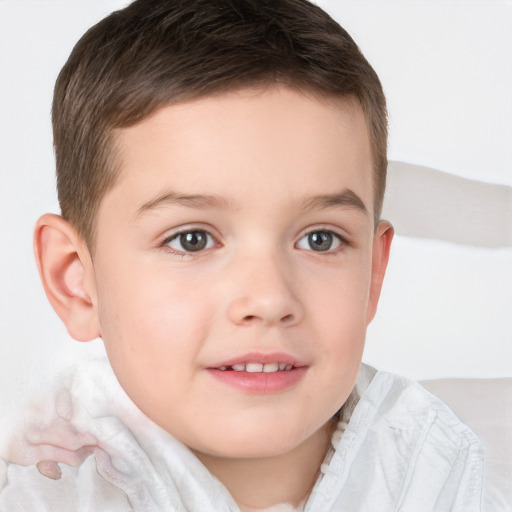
{"points": [[259, 357]]}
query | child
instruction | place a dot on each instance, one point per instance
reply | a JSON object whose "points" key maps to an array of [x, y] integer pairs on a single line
{"points": [[221, 167]]}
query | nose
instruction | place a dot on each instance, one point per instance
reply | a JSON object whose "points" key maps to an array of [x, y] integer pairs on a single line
{"points": [[264, 293]]}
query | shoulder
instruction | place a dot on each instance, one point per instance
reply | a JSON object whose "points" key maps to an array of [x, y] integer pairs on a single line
{"points": [[441, 459], [387, 402], [404, 449], [60, 425], [399, 404]]}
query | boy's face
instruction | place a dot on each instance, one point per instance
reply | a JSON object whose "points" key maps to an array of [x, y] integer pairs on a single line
{"points": [[240, 234]]}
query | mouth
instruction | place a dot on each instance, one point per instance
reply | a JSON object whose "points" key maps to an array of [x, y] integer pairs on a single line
{"points": [[260, 373], [258, 367]]}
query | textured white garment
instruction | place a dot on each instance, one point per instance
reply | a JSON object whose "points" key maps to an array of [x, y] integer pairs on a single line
{"points": [[397, 448]]}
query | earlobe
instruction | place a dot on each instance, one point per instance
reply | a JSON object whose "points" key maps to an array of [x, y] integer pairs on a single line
{"points": [[380, 256], [65, 268]]}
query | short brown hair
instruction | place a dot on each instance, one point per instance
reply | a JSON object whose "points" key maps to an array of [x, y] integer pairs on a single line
{"points": [[157, 52]]}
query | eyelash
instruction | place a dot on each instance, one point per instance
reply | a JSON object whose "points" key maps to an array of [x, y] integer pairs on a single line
{"points": [[342, 241], [212, 241], [175, 236]]}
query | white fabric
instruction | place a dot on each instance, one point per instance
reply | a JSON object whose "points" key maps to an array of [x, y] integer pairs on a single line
{"points": [[397, 448], [485, 405]]}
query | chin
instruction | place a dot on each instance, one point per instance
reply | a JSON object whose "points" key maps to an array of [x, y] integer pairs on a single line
{"points": [[255, 441], [250, 450]]}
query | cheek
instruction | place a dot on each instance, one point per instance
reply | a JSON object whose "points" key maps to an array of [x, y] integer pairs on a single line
{"points": [[149, 321], [339, 312], [153, 332], [340, 299]]}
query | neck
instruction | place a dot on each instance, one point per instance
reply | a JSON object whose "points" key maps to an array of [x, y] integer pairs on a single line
{"points": [[259, 483]]}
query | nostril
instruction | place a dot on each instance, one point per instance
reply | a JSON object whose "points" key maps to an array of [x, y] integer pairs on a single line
{"points": [[287, 319], [249, 318]]}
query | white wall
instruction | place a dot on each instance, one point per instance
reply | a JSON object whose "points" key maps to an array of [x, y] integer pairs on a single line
{"points": [[445, 67], [446, 70]]}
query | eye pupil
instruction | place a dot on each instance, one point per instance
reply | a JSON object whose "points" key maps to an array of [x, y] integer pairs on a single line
{"points": [[193, 240], [320, 240]]}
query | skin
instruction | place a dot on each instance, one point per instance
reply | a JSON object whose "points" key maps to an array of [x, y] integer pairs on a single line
{"points": [[167, 315]]}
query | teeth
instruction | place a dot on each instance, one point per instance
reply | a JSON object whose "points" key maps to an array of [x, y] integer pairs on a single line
{"points": [[254, 367], [258, 367]]}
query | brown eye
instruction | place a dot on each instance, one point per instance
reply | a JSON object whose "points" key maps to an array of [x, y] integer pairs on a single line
{"points": [[191, 241]]}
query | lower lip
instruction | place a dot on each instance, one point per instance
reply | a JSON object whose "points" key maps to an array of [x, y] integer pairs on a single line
{"points": [[260, 382]]}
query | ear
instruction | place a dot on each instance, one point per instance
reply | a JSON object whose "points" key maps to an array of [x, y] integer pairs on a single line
{"points": [[66, 271], [381, 247]]}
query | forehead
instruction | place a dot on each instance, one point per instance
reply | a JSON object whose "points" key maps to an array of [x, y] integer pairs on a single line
{"points": [[245, 143]]}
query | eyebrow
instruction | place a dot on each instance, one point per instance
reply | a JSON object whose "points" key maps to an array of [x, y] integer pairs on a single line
{"points": [[346, 198], [198, 201]]}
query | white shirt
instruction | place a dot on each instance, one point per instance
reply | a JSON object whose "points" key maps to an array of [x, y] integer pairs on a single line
{"points": [[397, 448]]}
